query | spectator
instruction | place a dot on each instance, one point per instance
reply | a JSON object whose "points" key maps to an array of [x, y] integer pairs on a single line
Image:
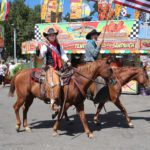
{"points": [[3, 68]]}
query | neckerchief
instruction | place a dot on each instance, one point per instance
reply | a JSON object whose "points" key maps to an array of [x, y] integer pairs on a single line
{"points": [[92, 42]]}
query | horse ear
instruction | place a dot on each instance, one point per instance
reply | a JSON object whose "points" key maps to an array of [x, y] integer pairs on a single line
{"points": [[145, 66], [109, 60]]}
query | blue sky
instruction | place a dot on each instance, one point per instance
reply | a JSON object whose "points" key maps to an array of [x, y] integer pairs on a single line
{"points": [[30, 3]]}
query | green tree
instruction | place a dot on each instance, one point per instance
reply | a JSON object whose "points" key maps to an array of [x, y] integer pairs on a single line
{"points": [[24, 18]]}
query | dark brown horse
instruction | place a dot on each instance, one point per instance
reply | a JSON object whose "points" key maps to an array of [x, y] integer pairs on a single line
{"points": [[123, 76], [27, 90]]}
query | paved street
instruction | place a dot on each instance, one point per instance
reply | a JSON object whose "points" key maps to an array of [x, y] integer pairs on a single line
{"points": [[112, 134]]}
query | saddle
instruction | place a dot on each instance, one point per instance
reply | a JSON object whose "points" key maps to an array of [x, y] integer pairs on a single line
{"points": [[39, 75]]}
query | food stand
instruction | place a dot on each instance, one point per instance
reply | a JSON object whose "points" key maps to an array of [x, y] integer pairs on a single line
{"points": [[117, 43]]}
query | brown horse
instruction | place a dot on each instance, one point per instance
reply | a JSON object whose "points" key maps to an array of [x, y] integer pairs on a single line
{"points": [[123, 76], [27, 90]]}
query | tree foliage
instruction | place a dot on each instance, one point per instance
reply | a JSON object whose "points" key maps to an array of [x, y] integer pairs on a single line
{"points": [[24, 18]]}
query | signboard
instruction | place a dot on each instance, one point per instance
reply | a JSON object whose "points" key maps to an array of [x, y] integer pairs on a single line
{"points": [[77, 30], [75, 9], [130, 88], [145, 44], [78, 46], [72, 35], [29, 47]]}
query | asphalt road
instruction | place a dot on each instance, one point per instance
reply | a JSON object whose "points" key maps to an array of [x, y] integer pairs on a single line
{"points": [[112, 134]]}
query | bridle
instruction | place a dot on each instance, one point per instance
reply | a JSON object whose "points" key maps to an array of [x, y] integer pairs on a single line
{"points": [[75, 70]]}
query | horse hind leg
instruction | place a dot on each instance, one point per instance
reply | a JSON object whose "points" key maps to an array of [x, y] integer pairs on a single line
{"points": [[96, 116], [123, 110], [16, 107], [27, 104]]}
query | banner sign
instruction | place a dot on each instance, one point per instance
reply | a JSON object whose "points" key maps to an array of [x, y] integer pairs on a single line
{"points": [[75, 9], [145, 44], [29, 47], [119, 45], [72, 35], [78, 30], [105, 8], [49, 9]]}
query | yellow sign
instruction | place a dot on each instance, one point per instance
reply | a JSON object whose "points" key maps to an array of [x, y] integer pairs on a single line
{"points": [[76, 9]]}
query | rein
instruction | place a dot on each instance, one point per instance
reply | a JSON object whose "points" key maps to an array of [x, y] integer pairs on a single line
{"points": [[88, 78]]}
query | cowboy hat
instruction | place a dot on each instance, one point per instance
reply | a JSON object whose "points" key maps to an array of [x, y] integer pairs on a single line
{"points": [[93, 32], [50, 31]]}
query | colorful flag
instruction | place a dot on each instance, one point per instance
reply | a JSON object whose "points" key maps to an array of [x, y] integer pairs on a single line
{"points": [[118, 9], [5, 7], [49, 9], [76, 9], [136, 14], [143, 5]]}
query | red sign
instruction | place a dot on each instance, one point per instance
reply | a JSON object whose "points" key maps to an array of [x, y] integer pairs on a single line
{"points": [[123, 45], [73, 45], [107, 45], [145, 44]]}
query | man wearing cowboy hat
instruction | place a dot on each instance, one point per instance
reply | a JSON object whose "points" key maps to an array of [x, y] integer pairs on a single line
{"points": [[91, 54], [91, 48]]}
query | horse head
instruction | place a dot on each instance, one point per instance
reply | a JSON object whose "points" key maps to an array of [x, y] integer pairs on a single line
{"points": [[105, 70], [143, 79]]}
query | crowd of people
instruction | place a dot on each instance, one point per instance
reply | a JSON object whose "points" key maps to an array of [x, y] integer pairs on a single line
{"points": [[5, 69]]}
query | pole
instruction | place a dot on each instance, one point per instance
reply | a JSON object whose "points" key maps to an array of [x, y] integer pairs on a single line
{"points": [[57, 11], [15, 58]]}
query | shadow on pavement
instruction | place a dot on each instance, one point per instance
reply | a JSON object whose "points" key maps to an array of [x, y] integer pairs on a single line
{"points": [[108, 120]]}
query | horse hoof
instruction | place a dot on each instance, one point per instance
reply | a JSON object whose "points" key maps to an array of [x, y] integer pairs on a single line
{"points": [[90, 135], [130, 124], [55, 133], [28, 129], [17, 128], [97, 122]]}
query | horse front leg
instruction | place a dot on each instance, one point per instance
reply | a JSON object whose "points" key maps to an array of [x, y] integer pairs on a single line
{"points": [[123, 110], [80, 109], [57, 123], [28, 103], [16, 107], [96, 116]]}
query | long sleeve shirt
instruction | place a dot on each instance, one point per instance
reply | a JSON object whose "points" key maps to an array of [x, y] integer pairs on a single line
{"points": [[91, 51], [44, 49]]}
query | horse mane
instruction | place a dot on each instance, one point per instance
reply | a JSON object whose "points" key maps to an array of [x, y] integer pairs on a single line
{"points": [[88, 66]]}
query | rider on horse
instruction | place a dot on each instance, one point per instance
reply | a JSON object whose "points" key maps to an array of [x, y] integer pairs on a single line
{"points": [[54, 54], [92, 50]]}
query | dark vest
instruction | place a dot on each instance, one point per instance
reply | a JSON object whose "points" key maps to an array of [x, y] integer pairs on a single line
{"points": [[49, 58]]}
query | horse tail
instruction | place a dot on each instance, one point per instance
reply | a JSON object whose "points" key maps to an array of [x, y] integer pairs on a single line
{"points": [[12, 86]]}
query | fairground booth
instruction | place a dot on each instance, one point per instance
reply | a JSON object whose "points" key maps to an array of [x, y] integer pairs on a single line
{"points": [[125, 31], [121, 43]]}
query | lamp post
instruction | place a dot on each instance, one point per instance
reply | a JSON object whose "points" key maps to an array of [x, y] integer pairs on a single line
{"points": [[15, 58]]}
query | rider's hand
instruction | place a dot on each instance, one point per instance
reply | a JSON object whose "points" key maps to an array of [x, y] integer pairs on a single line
{"points": [[100, 43], [69, 63]]}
